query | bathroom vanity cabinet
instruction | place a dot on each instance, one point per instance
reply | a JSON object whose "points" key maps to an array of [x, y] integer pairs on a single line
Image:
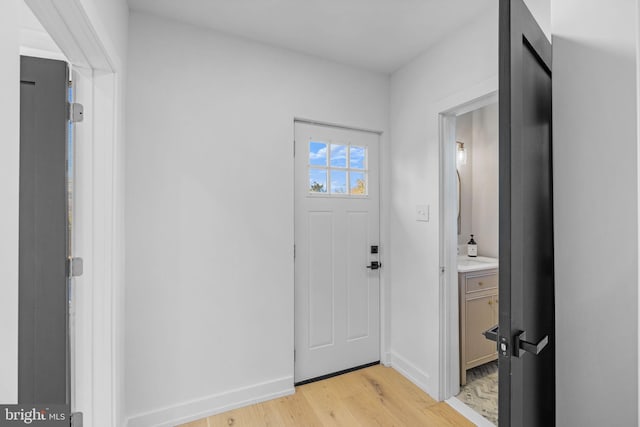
{"points": [[478, 295]]}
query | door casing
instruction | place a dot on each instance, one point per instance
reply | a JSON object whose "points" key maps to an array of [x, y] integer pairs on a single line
{"points": [[97, 387], [469, 99], [385, 328]]}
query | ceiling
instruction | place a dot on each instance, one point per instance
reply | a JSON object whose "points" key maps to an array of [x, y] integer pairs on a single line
{"points": [[380, 35]]}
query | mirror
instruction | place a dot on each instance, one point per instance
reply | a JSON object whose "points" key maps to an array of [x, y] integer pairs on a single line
{"points": [[459, 209]]}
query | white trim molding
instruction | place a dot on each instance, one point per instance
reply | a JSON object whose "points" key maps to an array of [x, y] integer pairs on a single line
{"points": [[214, 404], [413, 374], [463, 101], [69, 26], [638, 187], [97, 383], [469, 413]]}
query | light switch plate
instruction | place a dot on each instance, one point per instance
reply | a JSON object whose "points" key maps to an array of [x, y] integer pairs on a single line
{"points": [[422, 213]]}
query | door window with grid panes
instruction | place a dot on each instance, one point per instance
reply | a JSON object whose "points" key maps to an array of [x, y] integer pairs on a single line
{"points": [[337, 169]]}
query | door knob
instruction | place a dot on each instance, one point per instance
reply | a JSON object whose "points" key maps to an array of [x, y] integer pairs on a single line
{"points": [[374, 265], [520, 345], [491, 334]]}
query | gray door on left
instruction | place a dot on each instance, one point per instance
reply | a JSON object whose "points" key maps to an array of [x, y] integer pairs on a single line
{"points": [[43, 356]]}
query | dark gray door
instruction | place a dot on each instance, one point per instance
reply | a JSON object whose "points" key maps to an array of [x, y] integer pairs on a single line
{"points": [[43, 368], [527, 324]]}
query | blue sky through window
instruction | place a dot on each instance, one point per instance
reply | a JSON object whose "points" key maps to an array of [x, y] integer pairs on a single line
{"points": [[356, 157], [338, 182], [338, 156], [317, 154]]}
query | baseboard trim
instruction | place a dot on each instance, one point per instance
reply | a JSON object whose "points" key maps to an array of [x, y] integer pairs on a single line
{"points": [[386, 359], [413, 374], [214, 404], [468, 413]]}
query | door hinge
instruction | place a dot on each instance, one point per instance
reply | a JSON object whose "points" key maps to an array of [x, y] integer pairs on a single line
{"points": [[75, 267], [294, 251], [76, 419], [294, 148], [76, 112], [294, 355]]}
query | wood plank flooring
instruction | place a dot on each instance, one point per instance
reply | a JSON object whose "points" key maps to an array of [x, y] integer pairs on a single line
{"points": [[375, 396]]}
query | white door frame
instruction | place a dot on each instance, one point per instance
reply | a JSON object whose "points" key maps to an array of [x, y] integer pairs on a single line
{"points": [[99, 232], [462, 102], [383, 159]]}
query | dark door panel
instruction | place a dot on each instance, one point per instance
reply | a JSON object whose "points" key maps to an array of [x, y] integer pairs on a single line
{"points": [[43, 368], [526, 323]]}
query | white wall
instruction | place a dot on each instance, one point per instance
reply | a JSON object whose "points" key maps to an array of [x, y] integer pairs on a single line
{"points": [[9, 179], [485, 180], [463, 60], [541, 10], [596, 211], [478, 129], [210, 211], [34, 39]]}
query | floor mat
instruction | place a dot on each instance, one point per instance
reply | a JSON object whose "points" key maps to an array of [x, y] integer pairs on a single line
{"points": [[481, 391]]}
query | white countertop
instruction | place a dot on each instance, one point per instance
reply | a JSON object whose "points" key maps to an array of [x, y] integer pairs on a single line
{"points": [[466, 263]]}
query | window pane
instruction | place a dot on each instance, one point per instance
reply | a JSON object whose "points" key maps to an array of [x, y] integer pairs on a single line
{"points": [[358, 183], [338, 182], [357, 157], [317, 180], [338, 156], [317, 153]]}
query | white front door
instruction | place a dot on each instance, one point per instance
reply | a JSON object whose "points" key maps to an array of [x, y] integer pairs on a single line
{"points": [[337, 285]]}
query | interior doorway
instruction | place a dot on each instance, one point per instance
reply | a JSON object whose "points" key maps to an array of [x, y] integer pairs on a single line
{"points": [[469, 205], [477, 260], [64, 30]]}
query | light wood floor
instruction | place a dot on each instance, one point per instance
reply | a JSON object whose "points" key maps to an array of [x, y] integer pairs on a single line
{"points": [[375, 396]]}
